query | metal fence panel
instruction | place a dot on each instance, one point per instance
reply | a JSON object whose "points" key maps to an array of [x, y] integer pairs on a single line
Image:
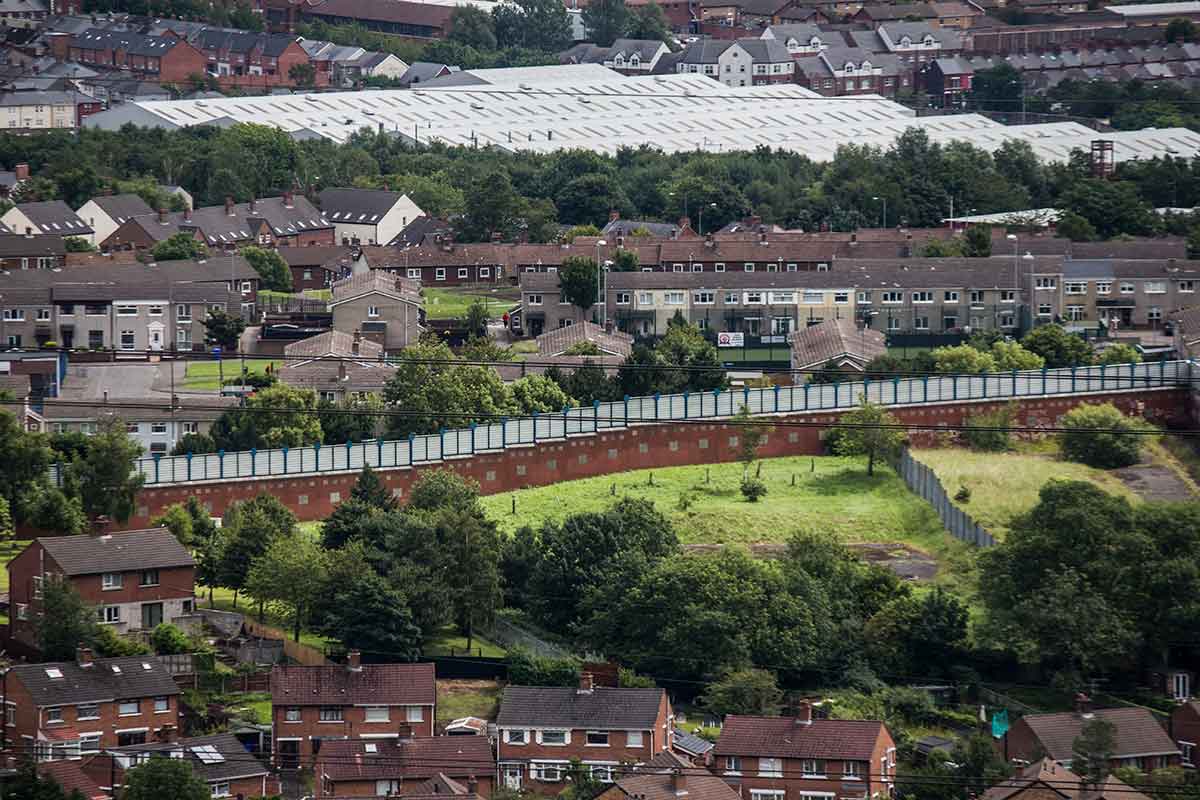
{"points": [[924, 482]]}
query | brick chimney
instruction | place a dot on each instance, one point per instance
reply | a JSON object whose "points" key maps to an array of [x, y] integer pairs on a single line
{"points": [[587, 683], [167, 734], [83, 657], [187, 214], [287, 199], [162, 216], [614, 215], [684, 223], [472, 784], [357, 343], [28, 232], [21, 171], [1083, 706], [804, 713], [354, 661], [100, 523], [229, 205], [679, 783], [253, 207], [342, 378]]}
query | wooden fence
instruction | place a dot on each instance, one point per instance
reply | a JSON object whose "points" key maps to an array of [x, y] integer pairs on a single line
{"points": [[297, 651]]}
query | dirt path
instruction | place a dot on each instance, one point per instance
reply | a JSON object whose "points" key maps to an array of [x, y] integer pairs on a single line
{"points": [[1156, 482], [907, 562]]}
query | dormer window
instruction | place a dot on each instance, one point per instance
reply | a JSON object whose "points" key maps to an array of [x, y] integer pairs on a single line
{"points": [[905, 41], [929, 42], [848, 68], [815, 42], [619, 59], [866, 65]]}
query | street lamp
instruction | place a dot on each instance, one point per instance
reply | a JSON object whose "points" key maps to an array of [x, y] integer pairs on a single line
{"points": [[599, 271], [884, 199], [700, 221]]}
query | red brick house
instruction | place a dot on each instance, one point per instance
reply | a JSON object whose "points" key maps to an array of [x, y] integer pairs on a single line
{"points": [[1140, 740], [669, 776], [540, 729], [1185, 730], [795, 758], [135, 579], [315, 267], [162, 58], [69, 775], [220, 760], [310, 705], [70, 710], [286, 221], [1046, 778], [373, 767]]}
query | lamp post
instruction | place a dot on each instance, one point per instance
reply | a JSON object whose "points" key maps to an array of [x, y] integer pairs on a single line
{"points": [[599, 283], [884, 200], [700, 221]]}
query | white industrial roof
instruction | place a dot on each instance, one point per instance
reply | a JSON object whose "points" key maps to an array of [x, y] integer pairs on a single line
{"points": [[1155, 9], [1031, 216], [587, 106]]}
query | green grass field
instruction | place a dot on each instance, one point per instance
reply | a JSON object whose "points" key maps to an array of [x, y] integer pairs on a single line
{"points": [[830, 494], [448, 639], [205, 375], [311, 294], [1004, 485], [453, 303], [457, 699]]}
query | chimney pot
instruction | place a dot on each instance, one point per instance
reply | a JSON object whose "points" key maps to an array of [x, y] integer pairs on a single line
{"points": [[21, 172], [287, 199], [804, 713], [679, 783], [587, 683], [253, 207], [614, 215], [187, 214], [354, 657], [229, 205], [162, 216], [83, 656], [684, 223]]}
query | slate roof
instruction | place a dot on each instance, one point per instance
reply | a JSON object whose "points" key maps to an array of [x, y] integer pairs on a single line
{"points": [[690, 743], [422, 71], [705, 51], [1137, 732], [644, 49], [121, 207], [602, 708], [375, 281], [835, 339], [38, 244], [785, 737], [18, 386], [139, 676], [374, 684], [765, 51], [899, 11], [655, 781], [453, 756], [558, 340], [1188, 320], [329, 257], [416, 231], [152, 548], [235, 760], [138, 44], [626, 227], [332, 343], [54, 217], [1047, 773], [357, 206]]}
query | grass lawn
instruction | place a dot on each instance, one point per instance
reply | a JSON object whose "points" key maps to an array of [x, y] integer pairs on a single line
{"points": [[247, 606], [1004, 485], [464, 698], [8, 551], [205, 375], [835, 496], [453, 303], [449, 639], [311, 294], [258, 704]]}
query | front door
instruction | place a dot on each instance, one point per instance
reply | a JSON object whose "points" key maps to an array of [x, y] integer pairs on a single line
{"points": [[512, 777], [289, 754], [155, 331], [152, 615]]}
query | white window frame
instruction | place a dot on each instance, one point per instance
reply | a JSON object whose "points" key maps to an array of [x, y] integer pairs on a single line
{"points": [[111, 581], [566, 734], [601, 736], [634, 739], [439, 274], [1043, 284], [1184, 286], [733, 765], [768, 794], [331, 715], [372, 312], [674, 298], [521, 733], [124, 704], [372, 714], [770, 767], [812, 768], [414, 714], [293, 714], [922, 298]]}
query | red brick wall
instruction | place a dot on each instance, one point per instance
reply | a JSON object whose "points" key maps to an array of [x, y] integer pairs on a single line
{"points": [[173, 584], [367, 788], [872, 782], [1185, 727], [181, 61], [352, 725], [650, 446]]}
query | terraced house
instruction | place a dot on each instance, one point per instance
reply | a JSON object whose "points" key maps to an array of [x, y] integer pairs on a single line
{"points": [[541, 729]]}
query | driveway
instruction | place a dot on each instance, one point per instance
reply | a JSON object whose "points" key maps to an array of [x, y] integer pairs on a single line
{"points": [[90, 381]]}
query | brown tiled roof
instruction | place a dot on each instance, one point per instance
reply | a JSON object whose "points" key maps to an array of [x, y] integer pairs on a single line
{"points": [[555, 342], [1137, 732], [425, 255], [323, 374], [197, 409], [71, 777], [374, 684], [835, 339], [786, 737], [396, 11], [314, 256], [654, 781], [363, 283], [453, 756], [333, 343], [153, 548], [1188, 320], [1049, 774]]}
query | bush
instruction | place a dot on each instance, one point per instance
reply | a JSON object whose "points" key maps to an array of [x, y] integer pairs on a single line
{"points": [[169, 640], [109, 644], [752, 489], [257, 380], [963, 495], [527, 669], [1100, 436], [990, 441]]}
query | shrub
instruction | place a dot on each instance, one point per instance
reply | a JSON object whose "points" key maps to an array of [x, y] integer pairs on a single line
{"points": [[527, 669], [169, 640], [963, 495], [109, 644], [1099, 435], [993, 440], [752, 489]]}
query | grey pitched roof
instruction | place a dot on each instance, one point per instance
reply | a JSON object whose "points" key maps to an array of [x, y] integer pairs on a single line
{"points": [[357, 206], [642, 48], [153, 548], [800, 31], [122, 206], [133, 677], [1137, 732], [137, 44], [705, 51], [18, 244], [835, 339], [765, 50], [225, 759], [954, 66], [626, 227], [600, 709], [421, 71], [54, 217], [332, 343]]}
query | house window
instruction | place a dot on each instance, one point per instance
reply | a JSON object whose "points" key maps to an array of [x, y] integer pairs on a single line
{"points": [[1126, 287], [414, 273], [245, 287], [733, 765], [1008, 296], [645, 298], [813, 297], [976, 298], [922, 297], [841, 297], [330, 714], [766, 794], [812, 768], [1075, 287], [43, 314], [291, 714], [677, 267], [791, 267], [853, 770], [127, 708], [703, 298], [597, 738], [697, 268], [127, 340], [14, 314], [548, 773], [89, 743], [130, 738], [633, 739], [54, 714], [1154, 287], [554, 737], [376, 714], [720, 266], [183, 313], [864, 297], [22, 611], [126, 311], [155, 311], [534, 300], [622, 298], [308, 274], [372, 311], [162, 705], [893, 323], [1103, 287], [754, 298], [158, 427], [770, 768], [893, 297], [414, 714], [1186, 752], [515, 736], [1154, 314], [463, 272], [1075, 313], [1046, 283], [93, 310], [485, 272], [87, 711], [439, 274], [149, 577], [951, 297], [1006, 320], [110, 580], [921, 323], [220, 789], [748, 266], [190, 427], [602, 773], [1184, 286], [674, 298], [386, 787]]}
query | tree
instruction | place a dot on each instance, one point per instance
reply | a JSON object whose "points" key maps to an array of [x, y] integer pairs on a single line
{"points": [[1092, 750], [688, 362], [977, 241], [649, 22], [963, 359], [353, 419], [103, 478], [1057, 347], [577, 281], [270, 266], [1119, 353], [1100, 436], [371, 490], [472, 27], [865, 432], [303, 75], [179, 247], [1180, 30], [161, 777], [537, 393], [988, 431], [7, 530], [473, 542], [77, 244], [998, 89], [224, 330], [605, 21], [27, 784], [264, 161], [1074, 227], [534, 24], [66, 621], [278, 416], [371, 615], [178, 521], [477, 318], [290, 576], [918, 636], [751, 435], [27, 457], [50, 509], [249, 529], [1011, 355], [744, 691], [1111, 207], [168, 640]]}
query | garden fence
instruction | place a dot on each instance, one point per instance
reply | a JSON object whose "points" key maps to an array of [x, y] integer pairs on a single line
{"points": [[924, 482]]}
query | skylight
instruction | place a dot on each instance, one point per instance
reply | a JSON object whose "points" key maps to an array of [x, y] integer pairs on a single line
{"points": [[53, 672], [116, 669], [370, 748], [208, 754]]}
